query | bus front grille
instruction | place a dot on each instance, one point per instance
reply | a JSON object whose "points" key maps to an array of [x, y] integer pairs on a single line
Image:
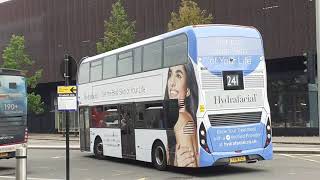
{"points": [[235, 119], [253, 81], [210, 81]]}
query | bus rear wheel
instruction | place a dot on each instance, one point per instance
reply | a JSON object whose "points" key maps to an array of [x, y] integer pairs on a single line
{"points": [[98, 148], [159, 157]]}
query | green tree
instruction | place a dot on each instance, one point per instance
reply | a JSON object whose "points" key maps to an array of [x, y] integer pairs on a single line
{"points": [[118, 30], [189, 14], [15, 57]]}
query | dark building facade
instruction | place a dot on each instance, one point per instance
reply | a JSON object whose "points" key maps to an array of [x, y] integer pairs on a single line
{"points": [[54, 27]]}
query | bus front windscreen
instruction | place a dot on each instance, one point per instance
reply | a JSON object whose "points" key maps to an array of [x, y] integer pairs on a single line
{"points": [[230, 53]]}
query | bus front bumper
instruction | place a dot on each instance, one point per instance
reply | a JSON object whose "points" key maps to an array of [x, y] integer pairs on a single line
{"points": [[9, 151], [225, 158]]}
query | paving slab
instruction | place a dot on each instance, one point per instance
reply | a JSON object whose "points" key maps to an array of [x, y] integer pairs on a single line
{"points": [[315, 140]]}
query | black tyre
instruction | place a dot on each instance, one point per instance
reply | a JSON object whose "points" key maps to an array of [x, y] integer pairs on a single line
{"points": [[98, 148], [159, 156]]}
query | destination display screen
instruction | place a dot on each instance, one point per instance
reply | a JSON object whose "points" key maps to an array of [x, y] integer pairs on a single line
{"points": [[232, 80]]}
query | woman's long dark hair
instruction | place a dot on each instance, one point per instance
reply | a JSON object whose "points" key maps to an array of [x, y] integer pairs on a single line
{"points": [[192, 101]]}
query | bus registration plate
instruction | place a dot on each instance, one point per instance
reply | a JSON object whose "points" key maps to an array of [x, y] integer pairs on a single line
{"points": [[238, 159], [3, 154]]}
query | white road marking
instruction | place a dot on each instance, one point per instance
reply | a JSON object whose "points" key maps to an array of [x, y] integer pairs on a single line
{"points": [[142, 178], [119, 173], [57, 157], [29, 178], [84, 169], [295, 157], [310, 156], [42, 167]]}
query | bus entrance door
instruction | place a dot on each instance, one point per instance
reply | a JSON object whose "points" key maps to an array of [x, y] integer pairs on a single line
{"points": [[84, 129], [127, 131]]}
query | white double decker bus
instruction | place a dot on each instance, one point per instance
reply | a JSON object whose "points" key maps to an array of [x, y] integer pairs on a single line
{"points": [[193, 97]]}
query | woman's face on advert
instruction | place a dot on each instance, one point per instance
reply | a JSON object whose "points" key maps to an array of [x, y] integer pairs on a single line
{"points": [[177, 82]]}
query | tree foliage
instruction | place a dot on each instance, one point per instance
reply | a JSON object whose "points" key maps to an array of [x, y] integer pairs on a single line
{"points": [[189, 14], [118, 30], [15, 57], [35, 104]]}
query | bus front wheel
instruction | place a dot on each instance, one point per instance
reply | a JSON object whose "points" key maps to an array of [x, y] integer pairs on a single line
{"points": [[159, 157], [98, 148]]}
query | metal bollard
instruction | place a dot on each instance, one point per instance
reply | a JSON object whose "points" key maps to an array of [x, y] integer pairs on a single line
{"points": [[21, 165]]}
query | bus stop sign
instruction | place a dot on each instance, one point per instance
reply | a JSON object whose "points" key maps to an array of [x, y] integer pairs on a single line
{"points": [[67, 100]]}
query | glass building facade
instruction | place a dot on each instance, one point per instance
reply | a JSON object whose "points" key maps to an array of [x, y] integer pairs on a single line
{"points": [[292, 94]]}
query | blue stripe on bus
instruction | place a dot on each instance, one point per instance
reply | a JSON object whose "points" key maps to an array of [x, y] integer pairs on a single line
{"points": [[205, 159], [192, 46]]}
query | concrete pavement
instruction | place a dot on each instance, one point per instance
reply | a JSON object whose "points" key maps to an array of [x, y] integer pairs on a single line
{"points": [[293, 145], [308, 140], [297, 145]]}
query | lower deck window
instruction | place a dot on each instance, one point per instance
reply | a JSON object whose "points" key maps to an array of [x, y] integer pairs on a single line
{"points": [[149, 116], [104, 116]]}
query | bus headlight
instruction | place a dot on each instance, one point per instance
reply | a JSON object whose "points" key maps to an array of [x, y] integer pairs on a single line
{"points": [[268, 127], [202, 132], [203, 138], [268, 133], [203, 142]]}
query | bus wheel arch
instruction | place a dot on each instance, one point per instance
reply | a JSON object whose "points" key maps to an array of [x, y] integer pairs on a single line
{"points": [[159, 155], [98, 147]]}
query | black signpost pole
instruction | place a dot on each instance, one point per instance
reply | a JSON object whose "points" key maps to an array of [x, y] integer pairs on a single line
{"points": [[66, 76]]}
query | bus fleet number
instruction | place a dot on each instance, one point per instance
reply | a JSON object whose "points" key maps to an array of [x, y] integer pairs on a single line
{"points": [[232, 80], [10, 107]]}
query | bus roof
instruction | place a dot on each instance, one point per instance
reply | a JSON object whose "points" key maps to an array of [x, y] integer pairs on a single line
{"points": [[12, 72], [199, 31], [225, 30]]}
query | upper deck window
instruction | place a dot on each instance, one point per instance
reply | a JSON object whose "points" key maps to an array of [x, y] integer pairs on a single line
{"points": [[175, 50], [229, 46], [152, 56], [83, 73], [125, 64], [96, 70], [110, 67]]}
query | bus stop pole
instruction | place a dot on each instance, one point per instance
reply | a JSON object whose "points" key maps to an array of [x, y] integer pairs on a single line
{"points": [[66, 59], [318, 54], [21, 164]]}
